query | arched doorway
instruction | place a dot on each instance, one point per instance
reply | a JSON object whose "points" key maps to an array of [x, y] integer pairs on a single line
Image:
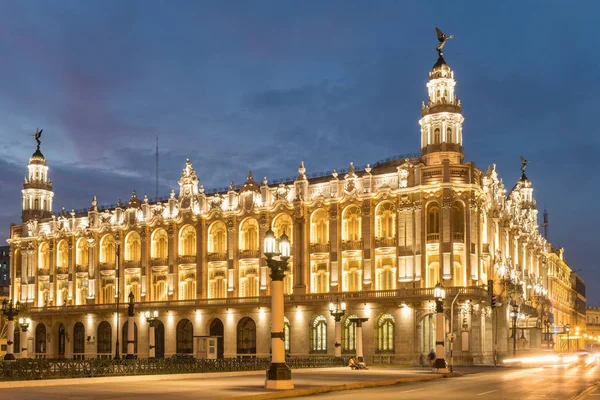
{"points": [[216, 329], [78, 341], [246, 336], [124, 338], [104, 338], [159, 340], [40, 340], [17, 341], [61, 341], [185, 335]]}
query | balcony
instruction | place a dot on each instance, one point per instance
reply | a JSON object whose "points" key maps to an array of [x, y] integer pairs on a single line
{"points": [[458, 237], [433, 238], [187, 259], [352, 245], [217, 256], [106, 265], [132, 263], [62, 270], [81, 268], [249, 254], [319, 248], [159, 262], [43, 271], [385, 242]]}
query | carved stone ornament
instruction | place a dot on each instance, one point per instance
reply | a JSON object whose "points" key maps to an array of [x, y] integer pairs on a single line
{"points": [[333, 213], [281, 193], [230, 225], [366, 209], [216, 201], [262, 221], [446, 203]]}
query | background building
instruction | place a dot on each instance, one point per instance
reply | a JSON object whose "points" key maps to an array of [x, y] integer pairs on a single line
{"points": [[378, 237]]}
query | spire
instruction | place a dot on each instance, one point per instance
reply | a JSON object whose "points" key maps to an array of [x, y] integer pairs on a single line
{"points": [[37, 188], [441, 119]]}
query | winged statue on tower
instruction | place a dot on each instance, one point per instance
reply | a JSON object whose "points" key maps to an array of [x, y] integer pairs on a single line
{"points": [[442, 38]]}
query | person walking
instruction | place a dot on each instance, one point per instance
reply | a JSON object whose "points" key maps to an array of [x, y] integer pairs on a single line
{"points": [[431, 358]]}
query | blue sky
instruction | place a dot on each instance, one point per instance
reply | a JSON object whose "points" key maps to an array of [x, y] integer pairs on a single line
{"points": [[260, 85]]}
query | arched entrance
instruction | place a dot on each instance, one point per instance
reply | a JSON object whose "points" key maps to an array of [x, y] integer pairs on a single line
{"points": [[217, 329], [78, 341], [159, 340], [104, 338], [40, 340], [185, 337], [124, 338], [61, 341], [246, 336]]}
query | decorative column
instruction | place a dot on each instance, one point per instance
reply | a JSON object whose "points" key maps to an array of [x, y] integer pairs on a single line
{"points": [[359, 343], [279, 375], [24, 323], [151, 318], [130, 328], [337, 311], [10, 312], [440, 362]]}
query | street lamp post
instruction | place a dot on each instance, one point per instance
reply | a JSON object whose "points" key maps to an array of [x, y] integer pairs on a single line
{"points": [[151, 318], [440, 294], [279, 375], [337, 311], [567, 329], [577, 333], [10, 311], [130, 327], [514, 314], [24, 323]]}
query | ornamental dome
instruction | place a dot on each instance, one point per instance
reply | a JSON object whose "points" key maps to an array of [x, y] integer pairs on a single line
{"points": [[37, 158]]}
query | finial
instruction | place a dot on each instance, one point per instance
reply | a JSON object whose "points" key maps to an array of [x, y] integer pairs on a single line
{"points": [[232, 186], [265, 181], [249, 178], [134, 194], [94, 201], [172, 195], [351, 169], [201, 190], [301, 168], [368, 169], [335, 173], [146, 198], [119, 203], [442, 38], [37, 135]]}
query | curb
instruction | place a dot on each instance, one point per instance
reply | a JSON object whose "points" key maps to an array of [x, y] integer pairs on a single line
{"points": [[585, 392], [335, 388]]}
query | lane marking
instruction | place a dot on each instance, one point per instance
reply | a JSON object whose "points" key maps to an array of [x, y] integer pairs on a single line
{"points": [[491, 391], [413, 390]]}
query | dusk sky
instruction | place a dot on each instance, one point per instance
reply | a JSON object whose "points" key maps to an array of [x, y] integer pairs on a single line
{"points": [[260, 85]]}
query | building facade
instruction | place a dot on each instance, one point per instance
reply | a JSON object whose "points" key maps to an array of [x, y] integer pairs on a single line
{"points": [[378, 237]]}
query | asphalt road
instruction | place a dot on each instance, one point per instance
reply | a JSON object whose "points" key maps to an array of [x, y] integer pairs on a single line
{"points": [[521, 384]]}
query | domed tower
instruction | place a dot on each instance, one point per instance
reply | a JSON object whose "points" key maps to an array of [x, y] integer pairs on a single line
{"points": [[441, 118], [37, 188]]}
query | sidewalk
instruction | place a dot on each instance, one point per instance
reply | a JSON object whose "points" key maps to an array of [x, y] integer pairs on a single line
{"points": [[245, 385]]}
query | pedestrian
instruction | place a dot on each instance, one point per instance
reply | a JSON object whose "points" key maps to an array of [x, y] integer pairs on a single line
{"points": [[431, 359]]}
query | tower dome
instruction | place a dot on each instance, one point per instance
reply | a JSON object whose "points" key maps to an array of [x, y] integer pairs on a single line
{"points": [[37, 188]]}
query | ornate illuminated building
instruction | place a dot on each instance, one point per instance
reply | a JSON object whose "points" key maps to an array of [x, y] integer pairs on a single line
{"points": [[378, 237]]}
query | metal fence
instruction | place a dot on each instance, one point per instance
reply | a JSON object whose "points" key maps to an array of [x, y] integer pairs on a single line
{"points": [[33, 369]]}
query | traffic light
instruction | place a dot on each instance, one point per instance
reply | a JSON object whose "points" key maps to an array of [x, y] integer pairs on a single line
{"points": [[493, 300]]}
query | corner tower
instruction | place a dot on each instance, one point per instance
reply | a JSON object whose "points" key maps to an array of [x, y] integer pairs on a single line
{"points": [[441, 119], [37, 188]]}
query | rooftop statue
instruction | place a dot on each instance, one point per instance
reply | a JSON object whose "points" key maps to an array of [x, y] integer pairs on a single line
{"points": [[37, 135], [443, 38]]}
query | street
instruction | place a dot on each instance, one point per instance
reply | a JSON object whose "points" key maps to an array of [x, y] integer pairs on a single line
{"points": [[522, 384]]}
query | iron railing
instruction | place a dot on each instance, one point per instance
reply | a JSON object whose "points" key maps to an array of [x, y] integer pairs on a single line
{"points": [[38, 368]]}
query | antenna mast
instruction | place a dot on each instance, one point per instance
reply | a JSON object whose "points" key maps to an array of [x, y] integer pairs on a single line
{"points": [[156, 193]]}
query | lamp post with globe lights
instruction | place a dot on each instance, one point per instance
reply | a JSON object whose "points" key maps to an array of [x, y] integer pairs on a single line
{"points": [[514, 314], [279, 375], [337, 311], [440, 294], [10, 311], [24, 324], [151, 318]]}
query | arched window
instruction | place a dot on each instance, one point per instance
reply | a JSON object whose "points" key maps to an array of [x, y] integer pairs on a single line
{"points": [[385, 221], [40, 339], [36, 204], [286, 334], [133, 247], [217, 238], [217, 329], [349, 334], [437, 139], [458, 222], [351, 219], [385, 331], [318, 335], [187, 241], [433, 222], [62, 254], [283, 224], [61, 341], [124, 338], [159, 340], [104, 338], [160, 244], [82, 252], [107, 249], [385, 274], [78, 341], [185, 335], [44, 256], [249, 234], [319, 227], [449, 138], [246, 336]]}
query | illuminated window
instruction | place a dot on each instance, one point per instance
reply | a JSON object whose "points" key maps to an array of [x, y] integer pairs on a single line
{"points": [[385, 221], [348, 335], [133, 247], [319, 227], [351, 224], [217, 238], [318, 335], [385, 334], [160, 244], [187, 241]]}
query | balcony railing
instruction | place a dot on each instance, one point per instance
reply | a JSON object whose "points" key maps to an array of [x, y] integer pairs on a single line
{"points": [[187, 259], [458, 237], [385, 242], [319, 248], [43, 272], [81, 268], [132, 263], [62, 270], [352, 245], [159, 262], [433, 237], [106, 265], [249, 254], [217, 256]]}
